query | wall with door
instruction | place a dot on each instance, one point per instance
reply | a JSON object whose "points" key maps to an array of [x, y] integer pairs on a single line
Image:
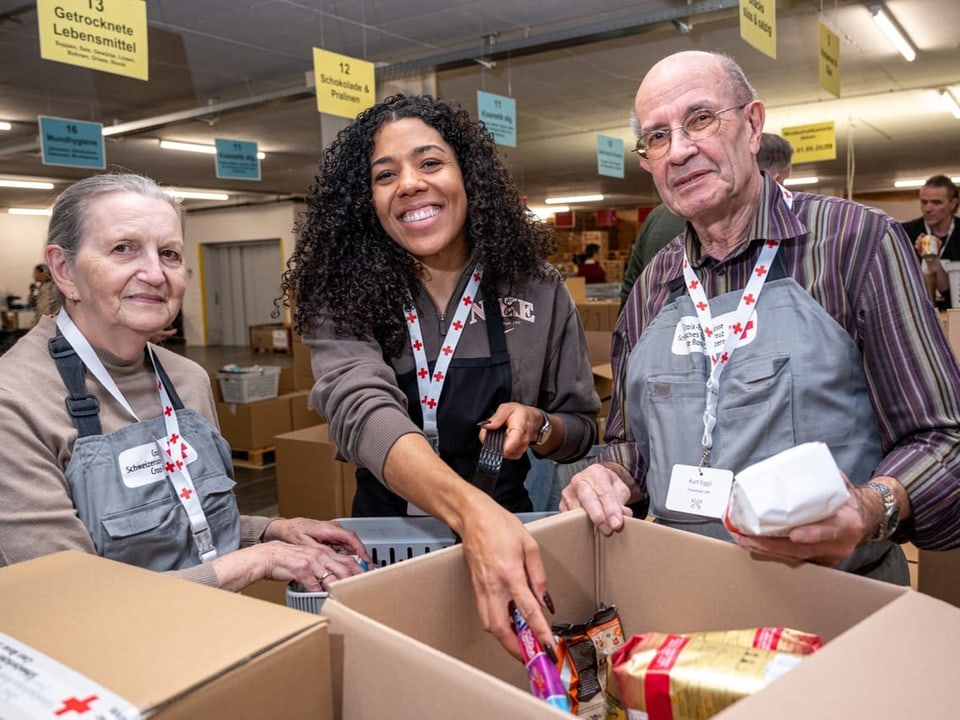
{"points": [[252, 224], [22, 238]]}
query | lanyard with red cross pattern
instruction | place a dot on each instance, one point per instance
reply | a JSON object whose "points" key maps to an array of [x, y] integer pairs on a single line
{"points": [[430, 386], [732, 333], [173, 448]]}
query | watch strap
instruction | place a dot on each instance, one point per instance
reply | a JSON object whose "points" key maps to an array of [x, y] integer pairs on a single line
{"points": [[545, 429], [891, 512]]}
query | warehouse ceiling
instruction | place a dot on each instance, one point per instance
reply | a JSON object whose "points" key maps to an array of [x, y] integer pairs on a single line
{"points": [[239, 70]]}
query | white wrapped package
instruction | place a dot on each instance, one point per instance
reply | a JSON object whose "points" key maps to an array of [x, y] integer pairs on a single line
{"points": [[795, 487]]}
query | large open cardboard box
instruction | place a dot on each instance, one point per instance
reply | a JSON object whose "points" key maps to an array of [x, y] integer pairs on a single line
{"points": [[174, 649], [411, 630]]}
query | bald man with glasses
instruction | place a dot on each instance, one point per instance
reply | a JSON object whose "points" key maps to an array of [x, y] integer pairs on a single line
{"points": [[776, 319]]}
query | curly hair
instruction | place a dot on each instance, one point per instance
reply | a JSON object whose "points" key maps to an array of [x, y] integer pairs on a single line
{"points": [[345, 263]]}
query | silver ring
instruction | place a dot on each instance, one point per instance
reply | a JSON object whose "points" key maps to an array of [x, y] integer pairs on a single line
{"points": [[323, 577]]}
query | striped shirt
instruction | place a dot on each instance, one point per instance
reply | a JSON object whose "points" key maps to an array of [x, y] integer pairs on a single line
{"points": [[859, 266]]}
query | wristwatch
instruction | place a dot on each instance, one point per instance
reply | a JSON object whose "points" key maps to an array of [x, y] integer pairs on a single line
{"points": [[545, 430], [891, 512]]}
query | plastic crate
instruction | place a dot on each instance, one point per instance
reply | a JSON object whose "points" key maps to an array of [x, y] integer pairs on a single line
{"points": [[389, 540], [249, 384]]}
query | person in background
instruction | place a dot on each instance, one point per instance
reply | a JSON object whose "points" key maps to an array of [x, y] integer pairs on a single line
{"points": [[661, 226], [422, 289], [43, 294], [831, 344], [775, 156], [40, 274], [588, 267], [938, 202], [132, 467]]}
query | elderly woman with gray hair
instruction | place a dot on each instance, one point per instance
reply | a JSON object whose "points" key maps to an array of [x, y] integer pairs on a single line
{"points": [[112, 444]]}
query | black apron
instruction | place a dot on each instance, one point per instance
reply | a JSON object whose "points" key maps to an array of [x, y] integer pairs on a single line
{"points": [[472, 391]]}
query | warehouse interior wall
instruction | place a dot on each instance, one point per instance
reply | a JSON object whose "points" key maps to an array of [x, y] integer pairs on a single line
{"points": [[22, 238]]}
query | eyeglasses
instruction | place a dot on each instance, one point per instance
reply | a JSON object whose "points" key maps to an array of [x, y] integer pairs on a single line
{"points": [[698, 125]]}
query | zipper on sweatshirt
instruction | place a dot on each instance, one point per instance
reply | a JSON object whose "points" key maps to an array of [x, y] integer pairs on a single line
{"points": [[442, 319]]}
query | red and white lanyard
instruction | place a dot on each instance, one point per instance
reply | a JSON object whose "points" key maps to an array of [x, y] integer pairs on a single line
{"points": [[172, 447], [431, 385], [721, 342]]}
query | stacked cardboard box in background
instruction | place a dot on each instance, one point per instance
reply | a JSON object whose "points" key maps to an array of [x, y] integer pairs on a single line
{"points": [[270, 337], [311, 482], [599, 315]]}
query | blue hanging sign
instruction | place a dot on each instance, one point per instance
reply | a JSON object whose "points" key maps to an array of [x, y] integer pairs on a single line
{"points": [[71, 142], [609, 156], [499, 114], [237, 159]]}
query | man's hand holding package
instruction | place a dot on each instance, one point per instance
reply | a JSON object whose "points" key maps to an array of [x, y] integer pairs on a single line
{"points": [[824, 542], [601, 490]]}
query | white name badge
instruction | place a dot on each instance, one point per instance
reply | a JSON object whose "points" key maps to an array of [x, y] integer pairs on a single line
{"points": [[144, 464], [699, 491], [688, 337]]}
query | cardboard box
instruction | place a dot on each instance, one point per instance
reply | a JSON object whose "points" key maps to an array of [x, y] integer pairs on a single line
{"points": [[311, 482], [173, 649], [270, 337], [301, 415], [598, 345], [578, 288], [890, 652], [599, 315], [603, 382], [938, 574], [252, 426]]}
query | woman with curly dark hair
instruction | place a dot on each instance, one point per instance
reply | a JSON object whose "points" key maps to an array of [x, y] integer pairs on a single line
{"points": [[421, 286]]}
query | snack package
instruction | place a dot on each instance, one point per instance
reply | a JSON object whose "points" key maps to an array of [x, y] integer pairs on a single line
{"points": [[583, 652], [543, 676], [795, 487], [661, 676]]}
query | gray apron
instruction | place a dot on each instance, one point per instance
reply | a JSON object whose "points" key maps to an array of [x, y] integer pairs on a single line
{"points": [[799, 380], [141, 522]]}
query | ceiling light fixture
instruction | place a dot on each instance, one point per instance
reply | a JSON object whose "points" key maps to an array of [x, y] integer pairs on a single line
{"points": [[801, 181], [198, 194], [950, 102], [26, 184], [30, 211], [545, 213], [917, 182], [4, 125], [894, 34], [573, 199], [195, 147]]}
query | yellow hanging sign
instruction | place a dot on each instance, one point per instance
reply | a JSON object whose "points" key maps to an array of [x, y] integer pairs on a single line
{"points": [[812, 142], [345, 85], [105, 35], [758, 25], [829, 61]]}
